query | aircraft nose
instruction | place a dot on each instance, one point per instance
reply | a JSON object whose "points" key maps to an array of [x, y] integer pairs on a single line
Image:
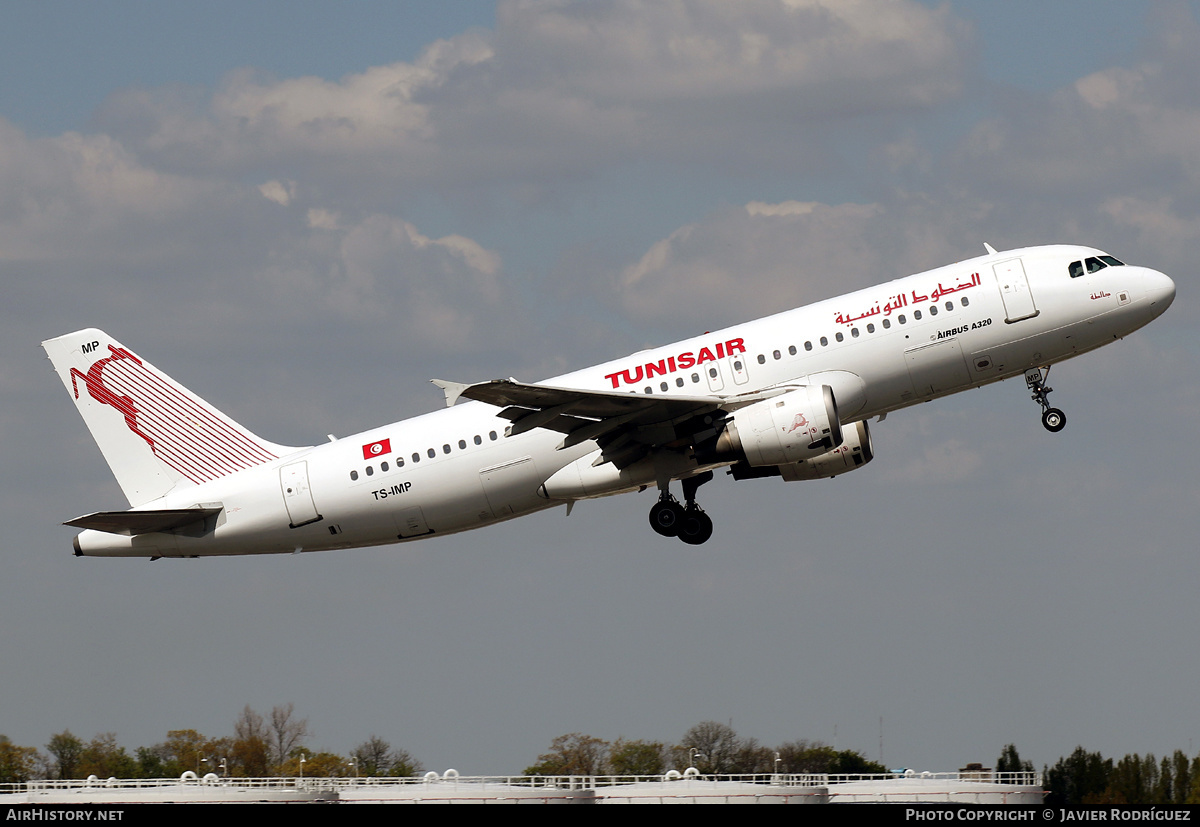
{"points": [[1160, 290]]}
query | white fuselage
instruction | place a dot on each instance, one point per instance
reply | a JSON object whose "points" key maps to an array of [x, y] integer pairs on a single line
{"points": [[879, 349]]}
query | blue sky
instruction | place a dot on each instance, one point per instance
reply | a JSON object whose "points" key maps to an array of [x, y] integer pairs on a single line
{"points": [[304, 211]]}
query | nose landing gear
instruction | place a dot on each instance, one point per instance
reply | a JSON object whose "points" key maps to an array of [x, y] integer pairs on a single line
{"points": [[689, 523], [1053, 419]]}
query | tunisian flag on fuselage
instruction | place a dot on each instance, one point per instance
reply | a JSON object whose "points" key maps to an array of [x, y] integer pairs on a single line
{"points": [[377, 449]]}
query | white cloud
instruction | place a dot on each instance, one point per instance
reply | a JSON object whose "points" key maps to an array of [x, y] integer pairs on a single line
{"points": [[563, 87], [1117, 133], [251, 256], [898, 54], [764, 258], [67, 198], [280, 192]]}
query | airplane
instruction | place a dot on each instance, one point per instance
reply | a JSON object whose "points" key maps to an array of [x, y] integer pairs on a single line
{"points": [[785, 396]]}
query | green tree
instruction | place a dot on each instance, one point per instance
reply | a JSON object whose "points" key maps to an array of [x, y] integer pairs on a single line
{"points": [[752, 757], [17, 764], [250, 752], [1132, 782], [1181, 778], [712, 747], [1077, 780], [572, 754], [287, 731], [104, 758], [375, 756], [805, 756], [1193, 795], [1010, 761], [66, 749], [316, 764], [636, 758], [185, 750]]}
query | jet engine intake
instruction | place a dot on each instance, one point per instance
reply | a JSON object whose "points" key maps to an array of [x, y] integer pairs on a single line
{"points": [[783, 430]]}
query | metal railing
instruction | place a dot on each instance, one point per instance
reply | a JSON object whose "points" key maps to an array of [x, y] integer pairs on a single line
{"points": [[451, 778]]}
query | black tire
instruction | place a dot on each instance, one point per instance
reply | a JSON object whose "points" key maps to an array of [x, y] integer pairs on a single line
{"points": [[1054, 420], [666, 517], [696, 527]]}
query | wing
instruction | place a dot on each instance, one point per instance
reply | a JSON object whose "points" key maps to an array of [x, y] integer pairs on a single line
{"points": [[626, 425]]}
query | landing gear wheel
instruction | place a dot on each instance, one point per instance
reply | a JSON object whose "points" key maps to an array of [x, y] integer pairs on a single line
{"points": [[1054, 420], [696, 527], [666, 517]]}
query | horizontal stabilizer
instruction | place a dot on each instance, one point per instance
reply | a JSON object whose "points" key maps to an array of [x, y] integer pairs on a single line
{"points": [[131, 523]]}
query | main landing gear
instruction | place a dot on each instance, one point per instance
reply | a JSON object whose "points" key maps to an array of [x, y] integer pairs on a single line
{"points": [[689, 523], [1053, 419]]}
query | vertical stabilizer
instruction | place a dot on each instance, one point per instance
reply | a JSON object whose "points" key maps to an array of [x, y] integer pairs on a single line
{"points": [[155, 433]]}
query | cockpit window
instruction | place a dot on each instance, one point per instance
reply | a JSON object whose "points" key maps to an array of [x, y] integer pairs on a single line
{"points": [[1094, 263]]}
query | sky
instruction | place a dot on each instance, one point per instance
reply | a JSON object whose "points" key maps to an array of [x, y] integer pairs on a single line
{"points": [[304, 211]]}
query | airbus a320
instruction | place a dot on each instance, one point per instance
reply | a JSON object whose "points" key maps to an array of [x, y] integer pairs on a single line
{"points": [[785, 396]]}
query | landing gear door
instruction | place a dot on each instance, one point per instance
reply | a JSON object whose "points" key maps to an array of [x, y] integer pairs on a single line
{"points": [[297, 496], [1014, 290]]}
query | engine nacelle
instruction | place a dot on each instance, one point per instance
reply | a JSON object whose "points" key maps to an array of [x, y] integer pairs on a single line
{"points": [[796, 426], [854, 452]]}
